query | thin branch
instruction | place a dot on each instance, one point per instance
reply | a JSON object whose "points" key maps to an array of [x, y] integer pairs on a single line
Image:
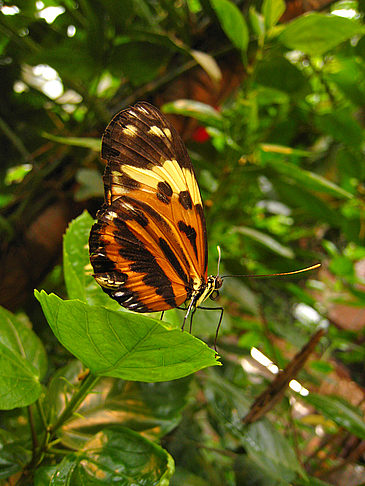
{"points": [[32, 432], [15, 140], [86, 386]]}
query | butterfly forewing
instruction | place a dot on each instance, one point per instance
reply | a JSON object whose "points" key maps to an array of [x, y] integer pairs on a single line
{"points": [[148, 248]]}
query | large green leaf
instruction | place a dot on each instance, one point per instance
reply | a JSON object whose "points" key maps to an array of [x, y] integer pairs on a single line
{"points": [[272, 10], [269, 449], [77, 269], [309, 179], [296, 196], [341, 124], [116, 455], [208, 63], [140, 62], [317, 33], [277, 72], [312, 481], [340, 411], [23, 362], [124, 345], [86, 142], [232, 22], [272, 453], [152, 408], [196, 109], [268, 241], [14, 455]]}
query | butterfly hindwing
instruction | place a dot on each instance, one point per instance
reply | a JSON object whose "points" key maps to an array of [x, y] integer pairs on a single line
{"points": [[148, 248]]}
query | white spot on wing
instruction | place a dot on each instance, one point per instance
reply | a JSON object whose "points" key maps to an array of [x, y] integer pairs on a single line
{"points": [[118, 190], [111, 215], [107, 282], [141, 109], [156, 131], [130, 130], [167, 133]]}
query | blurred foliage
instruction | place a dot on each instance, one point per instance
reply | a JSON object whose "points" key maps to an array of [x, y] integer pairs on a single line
{"points": [[275, 131]]}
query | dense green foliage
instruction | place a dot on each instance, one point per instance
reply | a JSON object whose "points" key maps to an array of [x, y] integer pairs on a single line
{"points": [[279, 156]]}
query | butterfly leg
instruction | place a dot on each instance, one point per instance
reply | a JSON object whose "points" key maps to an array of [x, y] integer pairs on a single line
{"points": [[162, 313], [221, 310], [191, 306], [191, 320]]}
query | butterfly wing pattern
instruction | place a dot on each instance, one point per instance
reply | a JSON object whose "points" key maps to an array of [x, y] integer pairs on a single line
{"points": [[148, 248]]}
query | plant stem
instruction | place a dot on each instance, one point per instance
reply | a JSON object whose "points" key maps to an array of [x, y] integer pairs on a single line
{"points": [[86, 386], [15, 140], [32, 430]]}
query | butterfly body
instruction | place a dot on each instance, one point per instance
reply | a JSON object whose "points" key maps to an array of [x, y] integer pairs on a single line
{"points": [[148, 248]]}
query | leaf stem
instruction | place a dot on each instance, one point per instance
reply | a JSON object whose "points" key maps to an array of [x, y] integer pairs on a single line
{"points": [[15, 140], [86, 386], [32, 430]]}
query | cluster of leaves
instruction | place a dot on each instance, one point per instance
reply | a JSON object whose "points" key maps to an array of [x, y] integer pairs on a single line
{"points": [[282, 175]]}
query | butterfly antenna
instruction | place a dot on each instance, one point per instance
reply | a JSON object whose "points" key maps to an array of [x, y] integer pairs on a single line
{"points": [[307, 269], [219, 258]]}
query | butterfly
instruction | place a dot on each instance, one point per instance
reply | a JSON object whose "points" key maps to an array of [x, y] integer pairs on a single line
{"points": [[148, 247]]}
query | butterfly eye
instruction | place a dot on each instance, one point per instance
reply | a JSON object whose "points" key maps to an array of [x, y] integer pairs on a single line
{"points": [[214, 295]]}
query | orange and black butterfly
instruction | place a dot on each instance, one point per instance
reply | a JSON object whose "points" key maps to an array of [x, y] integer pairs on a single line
{"points": [[149, 246]]}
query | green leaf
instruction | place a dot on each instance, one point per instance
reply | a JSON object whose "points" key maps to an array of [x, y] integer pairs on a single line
{"points": [[140, 62], [272, 10], [309, 179], [340, 411], [62, 386], [342, 126], [80, 64], [316, 33], [296, 196], [124, 345], [277, 72], [346, 73], [91, 184], [252, 475], [249, 339], [90, 143], [77, 269], [257, 22], [152, 408], [196, 109], [116, 455], [23, 362], [312, 481], [208, 63], [43, 475], [321, 366], [232, 22], [271, 450], [236, 289], [265, 240], [342, 266], [14, 456]]}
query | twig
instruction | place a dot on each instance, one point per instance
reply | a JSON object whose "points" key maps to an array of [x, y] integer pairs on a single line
{"points": [[15, 140], [32, 432]]}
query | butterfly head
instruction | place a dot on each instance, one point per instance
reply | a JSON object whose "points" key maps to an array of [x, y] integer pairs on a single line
{"points": [[214, 282], [210, 290]]}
